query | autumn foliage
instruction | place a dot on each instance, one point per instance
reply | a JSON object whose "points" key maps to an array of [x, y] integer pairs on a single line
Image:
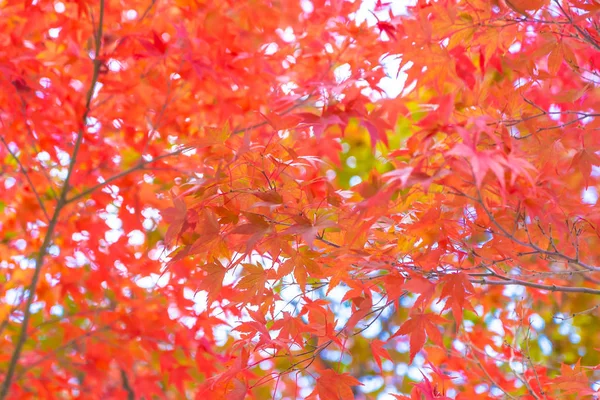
{"points": [[299, 199]]}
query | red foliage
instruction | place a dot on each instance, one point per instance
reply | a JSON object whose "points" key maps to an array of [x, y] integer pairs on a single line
{"points": [[285, 199]]}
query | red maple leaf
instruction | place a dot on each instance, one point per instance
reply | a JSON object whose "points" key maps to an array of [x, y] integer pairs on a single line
{"points": [[419, 327]]}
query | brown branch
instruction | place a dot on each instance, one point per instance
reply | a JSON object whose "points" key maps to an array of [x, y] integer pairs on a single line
{"points": [[127, 386], [62, 202], [551, 288], [147, 11], [573, 315], [126, 172]]}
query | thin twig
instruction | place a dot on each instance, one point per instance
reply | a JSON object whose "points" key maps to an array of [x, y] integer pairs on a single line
{"points": [[532, 366], [519, 375], [531, 245], [585, 36], [36, 149], [26, 175], [550, 288], [573, 315], [147, 11], [487, 374]]}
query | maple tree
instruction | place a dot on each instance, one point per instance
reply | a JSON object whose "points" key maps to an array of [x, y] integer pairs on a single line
{"points": [[287, 199]]}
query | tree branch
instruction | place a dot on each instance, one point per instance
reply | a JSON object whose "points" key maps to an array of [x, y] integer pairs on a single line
{"points": [[551, 288], [124, 173], [127, 386], [62, 201]]}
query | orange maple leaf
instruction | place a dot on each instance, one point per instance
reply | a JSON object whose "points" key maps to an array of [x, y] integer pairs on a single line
{"points": [[420, 327], [457, 288], [379, 352], [334, 386]]}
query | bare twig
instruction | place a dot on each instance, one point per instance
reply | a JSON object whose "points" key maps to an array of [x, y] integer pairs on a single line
{"points": [[573, 315], [518, 374], [550, 288], [531, 365], [489, 377]]}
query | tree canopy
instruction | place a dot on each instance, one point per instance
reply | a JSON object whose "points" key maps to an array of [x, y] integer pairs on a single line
{"points": [[299, 199]]}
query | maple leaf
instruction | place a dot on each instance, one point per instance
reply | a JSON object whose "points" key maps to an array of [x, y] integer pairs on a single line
{"points": [[362, 310], [175, 216], [321, 319], [422, 286], [279, 122], [155, 47], [319, 123], [257, 227], [464, 67], [292, 328], [334, 386], [247, 109], [212, 281], [583, 162], [388, 28], [309, 230], [430, 391], [521, 6], [572, 378], [269, 198], [419, 327], [439, 373], [393, 284], [254, 279], [253, 328], [239, 391], [379, 352], [457, 288], [211, 137], [376, 133], [235, 365], [481, 162], [440, 116], [302, 264], [402, 175]]}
